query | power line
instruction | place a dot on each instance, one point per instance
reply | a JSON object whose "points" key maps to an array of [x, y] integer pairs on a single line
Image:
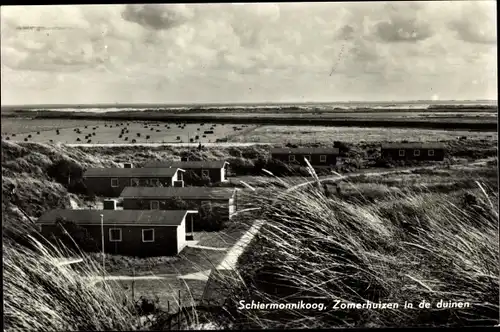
{"points": [[338, 59]]}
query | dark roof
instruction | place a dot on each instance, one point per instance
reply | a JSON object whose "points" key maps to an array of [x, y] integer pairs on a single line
{"points": [[413, 145], [139, 217], [130, 172], [182, 192], [330, 151], [188, 164]]}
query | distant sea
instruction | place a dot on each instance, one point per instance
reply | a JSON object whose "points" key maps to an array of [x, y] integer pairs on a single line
{"points": [[306, 106]]}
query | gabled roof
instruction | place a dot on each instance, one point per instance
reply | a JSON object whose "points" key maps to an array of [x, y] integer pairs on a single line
{"points": [[413, 145], [330, 151], [130, 172], [116, 217], [205, 164], [182, 192]]}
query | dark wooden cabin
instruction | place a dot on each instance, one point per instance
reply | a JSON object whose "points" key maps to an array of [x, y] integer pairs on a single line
{"points": [[220, 202], [126, 232], [420, 151], [110, 182], [197, 172], [317, 157]]}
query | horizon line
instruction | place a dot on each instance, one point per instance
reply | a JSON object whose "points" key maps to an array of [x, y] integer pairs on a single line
{"points": [[197, 104]]}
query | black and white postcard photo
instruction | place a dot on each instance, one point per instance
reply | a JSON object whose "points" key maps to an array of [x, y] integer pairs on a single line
{"points": [[248, 166]]}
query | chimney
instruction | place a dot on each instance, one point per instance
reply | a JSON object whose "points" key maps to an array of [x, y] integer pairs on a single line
{"points": [[128, 165], [109, 204]]}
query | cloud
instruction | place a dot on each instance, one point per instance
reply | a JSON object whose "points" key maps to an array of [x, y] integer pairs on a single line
{"points": [[404, 24], [182, 53], [157, 16], [402, 31], [347, 32], [476, 23]]}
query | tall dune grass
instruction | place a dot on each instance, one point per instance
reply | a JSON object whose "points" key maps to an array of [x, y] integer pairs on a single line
{"points": [[40, 295], [420, 246], [409, 246]]}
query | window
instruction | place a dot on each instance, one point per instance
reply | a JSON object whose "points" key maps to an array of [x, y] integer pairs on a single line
{"points": [[148, 235], [430, 153], [114, 182], [416, 152], [401, 153], [291, 158], [204, 173], [308, 158], [154, 205], [134, 182], [115, 235], [322, 158], [180, 176], [154, 182]]}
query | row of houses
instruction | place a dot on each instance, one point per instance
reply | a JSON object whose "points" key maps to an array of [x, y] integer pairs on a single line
{"points": [[163, 202], [327, 157], [158, 214], [110, 182]]}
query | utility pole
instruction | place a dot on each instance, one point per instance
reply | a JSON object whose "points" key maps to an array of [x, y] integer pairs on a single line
{"points": [[103, 256]]}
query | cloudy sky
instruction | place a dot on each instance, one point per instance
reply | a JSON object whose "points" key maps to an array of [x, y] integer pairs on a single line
{"points": [[216, 53]]}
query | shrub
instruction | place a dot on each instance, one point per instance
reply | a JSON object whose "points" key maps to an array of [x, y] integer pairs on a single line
{"points": [[74, 237], [147, 306], [65, 171]]}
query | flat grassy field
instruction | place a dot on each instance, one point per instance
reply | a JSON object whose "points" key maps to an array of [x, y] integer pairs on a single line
{"points": [[309, 134], [45, 131], [449, 118], [30, 126]]}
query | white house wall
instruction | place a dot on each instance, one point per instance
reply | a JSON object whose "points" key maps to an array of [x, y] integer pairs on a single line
{"points": [[181, 235]]}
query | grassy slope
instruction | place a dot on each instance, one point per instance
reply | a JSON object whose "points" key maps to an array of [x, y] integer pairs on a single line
{"points": [[25, 165], [39, 296], [409, 246]]}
